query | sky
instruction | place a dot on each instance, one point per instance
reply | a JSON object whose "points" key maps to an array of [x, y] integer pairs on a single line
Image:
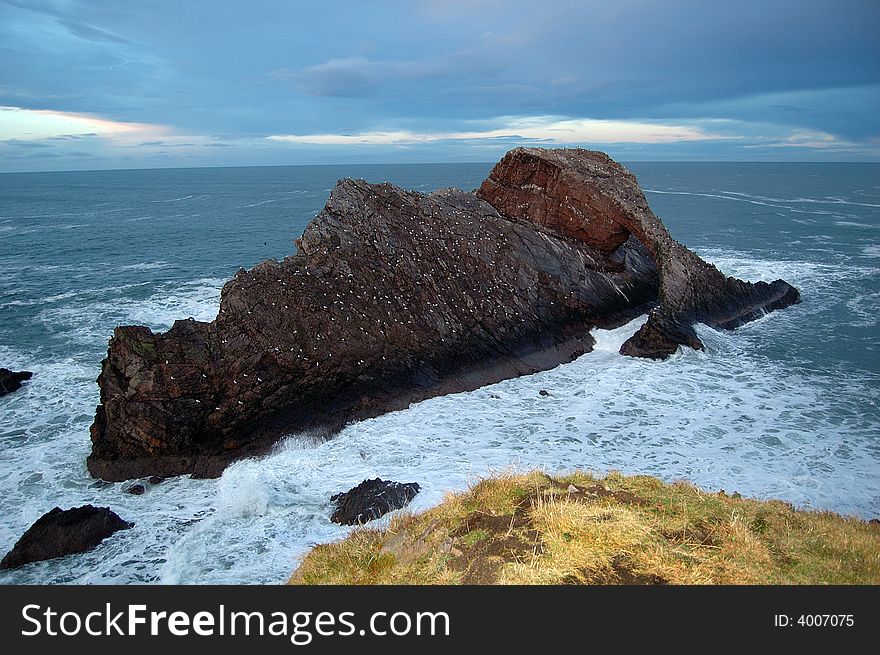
{"points": [[104, 84]]}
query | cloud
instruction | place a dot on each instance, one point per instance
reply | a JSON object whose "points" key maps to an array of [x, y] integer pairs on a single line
{"points": [[343, 78], [73, 137], [811, 139], [33, 124], [435, 76], [546, 129], [18, 143], [166, 144], [350, 77], [91, 33], [65, 14]]}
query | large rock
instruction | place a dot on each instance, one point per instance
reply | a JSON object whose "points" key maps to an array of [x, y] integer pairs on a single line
{"points": [[371, 499], [590, 198], [393, 297], [64, 532], [396, 296], [11, 380]]}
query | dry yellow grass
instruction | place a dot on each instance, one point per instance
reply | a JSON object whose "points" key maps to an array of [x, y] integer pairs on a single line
{"points": [[533, 529]]}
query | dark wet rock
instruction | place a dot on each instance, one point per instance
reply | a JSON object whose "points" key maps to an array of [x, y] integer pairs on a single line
{"points": [[136, 489], [64, 532], [543, 392], [393, 297], [11, 380], [591, 198], [155, 479], [370, 500]]}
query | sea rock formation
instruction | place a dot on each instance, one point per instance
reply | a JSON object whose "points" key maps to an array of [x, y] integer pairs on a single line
{"points": [[371, 499], [395, 296], [11, 380], [64, 532], [589, 197]]}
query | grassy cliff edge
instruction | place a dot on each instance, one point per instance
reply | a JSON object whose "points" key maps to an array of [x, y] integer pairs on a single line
{"points": [[578, 529]]}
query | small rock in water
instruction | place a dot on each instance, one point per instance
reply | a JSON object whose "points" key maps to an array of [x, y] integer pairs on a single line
{"points": [[543, 392], [136, 489], [370, 500], [155, 479], [64, 532], [11, 380]]}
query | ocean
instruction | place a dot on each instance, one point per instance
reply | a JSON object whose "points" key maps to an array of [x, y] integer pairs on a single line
{"points": [[785, 407]]}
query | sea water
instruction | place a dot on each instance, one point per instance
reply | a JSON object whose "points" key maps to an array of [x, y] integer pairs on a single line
{"points": [[785, 407]]}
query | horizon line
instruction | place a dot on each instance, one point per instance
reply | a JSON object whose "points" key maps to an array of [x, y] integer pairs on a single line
{"points": [[426, 163]]}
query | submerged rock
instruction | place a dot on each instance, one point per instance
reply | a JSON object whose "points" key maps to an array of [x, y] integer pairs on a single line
{"points": [[396, 296], [370, 500], [11, 380], [591, 198], [64, 532]]}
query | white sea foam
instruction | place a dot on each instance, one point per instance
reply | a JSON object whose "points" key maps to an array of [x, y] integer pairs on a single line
{"points": [[189, 197], [864, 309], [115, 211], [262, 202], [827, 200], [857, 224], [88, 323], [732, 417], [199, 299], [739, 198], [730, 421], [146, 266]]}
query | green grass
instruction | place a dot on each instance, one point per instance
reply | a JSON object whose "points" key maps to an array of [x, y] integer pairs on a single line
{"points": [[533, 529]]}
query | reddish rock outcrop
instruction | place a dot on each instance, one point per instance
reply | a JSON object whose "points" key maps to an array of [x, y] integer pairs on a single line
{"points": [[587, 196]]}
